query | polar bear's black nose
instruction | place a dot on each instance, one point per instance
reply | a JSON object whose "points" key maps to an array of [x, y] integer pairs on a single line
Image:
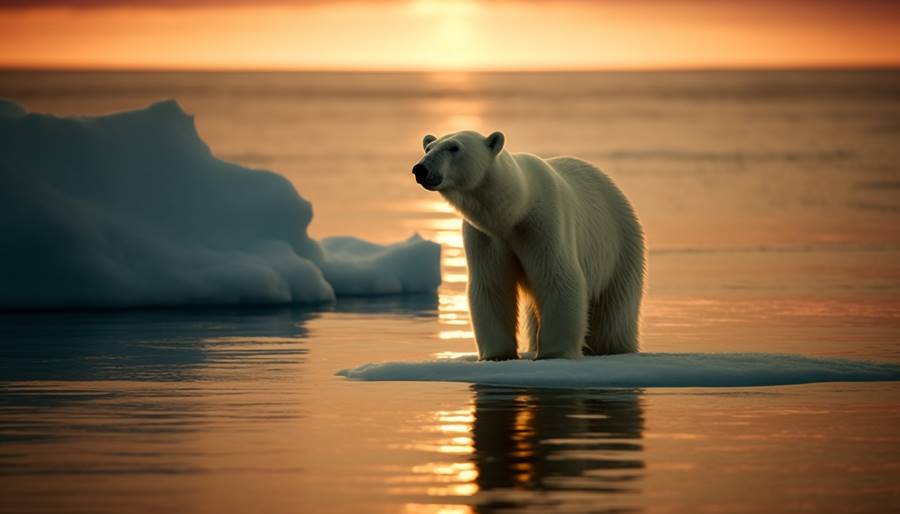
{"points": [[421, 172], [426, 178]]}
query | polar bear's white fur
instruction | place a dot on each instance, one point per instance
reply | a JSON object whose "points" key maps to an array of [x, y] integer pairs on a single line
{"points": [[553, 240]]}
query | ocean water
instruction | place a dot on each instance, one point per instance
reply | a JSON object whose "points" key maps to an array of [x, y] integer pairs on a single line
{"points": [[771, 203]]}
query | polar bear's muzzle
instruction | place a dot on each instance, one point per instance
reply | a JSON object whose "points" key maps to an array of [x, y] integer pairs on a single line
{"points": [[426, 177]]}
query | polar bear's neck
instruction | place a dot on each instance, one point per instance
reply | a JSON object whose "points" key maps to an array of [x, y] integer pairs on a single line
{"points": [[498, 202]]}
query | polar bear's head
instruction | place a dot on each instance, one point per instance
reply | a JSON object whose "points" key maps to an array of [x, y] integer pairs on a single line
{"points": [[457, 161]]}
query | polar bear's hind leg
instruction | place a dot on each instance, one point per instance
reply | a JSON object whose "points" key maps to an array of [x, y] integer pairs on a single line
{"points": [[613, 316]]}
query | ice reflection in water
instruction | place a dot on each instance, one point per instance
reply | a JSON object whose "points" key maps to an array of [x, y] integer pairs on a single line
{"points": [[533, 450], [130, 395]]}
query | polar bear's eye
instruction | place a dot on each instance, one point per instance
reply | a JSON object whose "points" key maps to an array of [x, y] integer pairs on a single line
{"points": [[453, 148]]}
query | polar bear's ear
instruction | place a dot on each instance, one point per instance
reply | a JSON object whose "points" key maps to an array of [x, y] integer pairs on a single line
{"points": [[427, 140], [495, 142]]}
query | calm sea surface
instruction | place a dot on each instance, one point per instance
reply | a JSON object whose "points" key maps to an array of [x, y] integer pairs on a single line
{"points": [[771, 202]]}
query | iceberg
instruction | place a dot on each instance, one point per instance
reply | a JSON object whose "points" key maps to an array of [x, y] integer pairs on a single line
{"points": [[133, 210], [355, 267], [634, 370]]}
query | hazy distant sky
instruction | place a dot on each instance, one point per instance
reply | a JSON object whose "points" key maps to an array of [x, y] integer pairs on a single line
{"points": [[447, 34]]}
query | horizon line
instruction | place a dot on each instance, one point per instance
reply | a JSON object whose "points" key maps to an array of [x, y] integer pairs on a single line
{"points": [[398, 70]]}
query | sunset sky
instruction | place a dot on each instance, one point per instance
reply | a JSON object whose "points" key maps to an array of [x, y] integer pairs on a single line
{"points": [[447, 34]]}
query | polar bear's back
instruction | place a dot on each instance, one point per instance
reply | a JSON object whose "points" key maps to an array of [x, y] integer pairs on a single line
{"points": [[605, 222], [592, 186]]}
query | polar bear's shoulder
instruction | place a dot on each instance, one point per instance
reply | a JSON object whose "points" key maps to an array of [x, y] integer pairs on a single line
{"points": [[561, 165], [569, 164], [587, 181], [577, 172]]}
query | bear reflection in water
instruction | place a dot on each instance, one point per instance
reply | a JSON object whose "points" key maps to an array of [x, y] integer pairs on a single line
{"points": [[555, 440]]}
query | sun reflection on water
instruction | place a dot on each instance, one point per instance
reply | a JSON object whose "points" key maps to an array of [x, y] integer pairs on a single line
{"points": [[455, 262], [456, 278], [457, 478], [528, 448], [453, 311], [444, 478], [451, 238], [425, 508], [452, 224], [452, 318], [454, 355], [455, 303], [453, 252], [456, 334]]}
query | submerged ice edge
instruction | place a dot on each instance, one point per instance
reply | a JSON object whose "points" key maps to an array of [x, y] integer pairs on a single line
{"points": [[132, 209], [634, 370]]}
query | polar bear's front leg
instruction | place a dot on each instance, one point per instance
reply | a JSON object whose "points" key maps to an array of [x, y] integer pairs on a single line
{"points": [[492, 294], [561, 295]]}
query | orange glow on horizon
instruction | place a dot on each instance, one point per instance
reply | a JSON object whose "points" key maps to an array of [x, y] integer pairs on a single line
{"points": [[454, 35]]}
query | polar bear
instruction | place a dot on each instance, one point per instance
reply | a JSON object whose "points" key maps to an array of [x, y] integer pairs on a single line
{"points": [[553, 240]]}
